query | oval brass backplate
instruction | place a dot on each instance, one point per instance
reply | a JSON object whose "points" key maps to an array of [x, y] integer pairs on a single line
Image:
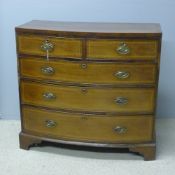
{"points": [[123, 49], [50, 123], [122, 74], [120, 129], [47, 70]]}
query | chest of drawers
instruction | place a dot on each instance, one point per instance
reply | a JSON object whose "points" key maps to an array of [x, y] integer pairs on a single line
{"points": [[89, 84]]}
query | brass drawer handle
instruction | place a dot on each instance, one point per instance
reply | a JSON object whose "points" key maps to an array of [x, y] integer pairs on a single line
{"points": [[123, 49], [50, 123], [122, 74], [47, 70], [121, 100], [47, 47], [49, 96], [120, 129]]}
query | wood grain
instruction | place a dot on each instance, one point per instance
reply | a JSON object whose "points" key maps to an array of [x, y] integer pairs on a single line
{"points": [[63, 47], [107, 49], [88, 127], [94, 73], [89, 99]]}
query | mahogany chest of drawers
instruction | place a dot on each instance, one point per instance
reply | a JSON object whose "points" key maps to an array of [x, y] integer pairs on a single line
{"points": [[91, 84]]}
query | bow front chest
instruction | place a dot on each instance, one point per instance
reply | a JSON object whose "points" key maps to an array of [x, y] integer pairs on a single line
{"points": [[89, 84]]}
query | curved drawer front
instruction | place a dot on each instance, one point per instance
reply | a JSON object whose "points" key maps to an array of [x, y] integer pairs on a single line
{"points": [[122, 49], [57, 47], [110, 129], [94, 73], [89, 99]]}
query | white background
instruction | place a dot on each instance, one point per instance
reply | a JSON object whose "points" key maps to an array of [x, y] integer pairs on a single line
{"points": [[16, 12]]}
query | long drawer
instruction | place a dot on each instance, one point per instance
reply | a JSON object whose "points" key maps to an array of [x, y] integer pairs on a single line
{"points": [[97, 99], [57, 47], [122, 49], [91, 128], [91, 72]]}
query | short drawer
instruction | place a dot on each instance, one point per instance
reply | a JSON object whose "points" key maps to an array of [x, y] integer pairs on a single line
{"points": [[91, 128], [122, 49], [123, 100], [57, 47], [91, 72]]}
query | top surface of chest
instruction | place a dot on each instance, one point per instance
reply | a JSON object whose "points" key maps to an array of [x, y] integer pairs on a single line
{"points": [[88, 28]]}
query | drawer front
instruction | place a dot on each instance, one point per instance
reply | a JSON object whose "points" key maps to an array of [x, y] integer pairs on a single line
{"points": [[57, 47], [102, 73], [128, 129], [122, 50], [89, 99]]}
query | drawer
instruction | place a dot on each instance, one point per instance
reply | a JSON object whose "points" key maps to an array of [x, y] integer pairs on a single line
{"points": [[93, 72], [91, 128], [57, 47], [122, 49], [123, 100]]}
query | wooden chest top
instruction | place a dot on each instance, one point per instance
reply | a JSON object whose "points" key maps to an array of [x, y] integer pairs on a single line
{"points": [[88, 28]]}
